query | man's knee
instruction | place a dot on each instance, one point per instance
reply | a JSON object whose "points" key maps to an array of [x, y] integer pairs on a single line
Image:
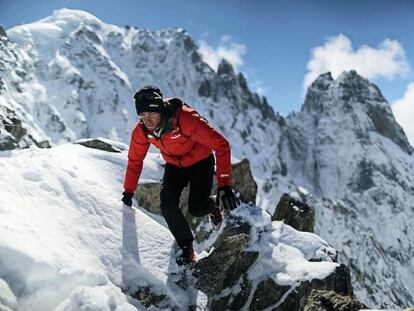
{"points": [[168, 200]]}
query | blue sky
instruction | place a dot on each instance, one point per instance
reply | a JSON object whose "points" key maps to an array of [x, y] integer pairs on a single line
{"points": [[271, 42]]}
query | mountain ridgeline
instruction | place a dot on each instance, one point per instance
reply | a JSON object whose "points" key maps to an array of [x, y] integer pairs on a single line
{"points": [[71, 76]]}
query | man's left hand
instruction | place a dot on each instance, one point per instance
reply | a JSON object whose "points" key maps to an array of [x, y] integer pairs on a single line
{"points": [[226, 195]]}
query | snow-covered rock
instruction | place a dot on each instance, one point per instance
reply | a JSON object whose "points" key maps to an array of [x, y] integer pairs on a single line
{"points": [[102, 144], [237, 273]]}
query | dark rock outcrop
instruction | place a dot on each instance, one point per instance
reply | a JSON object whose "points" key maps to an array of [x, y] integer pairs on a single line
{"points": [[244, 182], [225, 68], [2, 31], [274, 294], [295, 213], [334, 291], [43, 144], [225, 265], [13, 129], [223, 277], [97, 143], [323, 300], [148, 298], [148, 197]]}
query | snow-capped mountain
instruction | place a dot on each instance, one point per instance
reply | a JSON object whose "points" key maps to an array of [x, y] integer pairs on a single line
{"points": [[345, 147], [73, 76], [70, 76]]}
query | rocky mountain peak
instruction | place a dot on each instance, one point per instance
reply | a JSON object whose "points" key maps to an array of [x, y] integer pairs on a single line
{"points": [[353, 95], [2, 31], [358, 88], [225, 68], [349, 87], [316, 93], [323, 82]]}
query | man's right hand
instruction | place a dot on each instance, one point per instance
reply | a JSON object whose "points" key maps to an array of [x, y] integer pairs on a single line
{"points": [[127, 198]]}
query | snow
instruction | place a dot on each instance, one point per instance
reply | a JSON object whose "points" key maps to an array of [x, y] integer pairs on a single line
{"points": [[303, 190], [68, 243], [105, 297], [63, 225], [7, 299], [285, 251]]}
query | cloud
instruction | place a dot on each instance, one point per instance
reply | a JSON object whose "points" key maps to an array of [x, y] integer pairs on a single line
{"points": [[403, 110], [261, 90], [227, 49], [258, 88], [337, 55]]}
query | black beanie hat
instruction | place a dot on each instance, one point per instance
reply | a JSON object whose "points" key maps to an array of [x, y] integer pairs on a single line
{"points": [[149, 99]]}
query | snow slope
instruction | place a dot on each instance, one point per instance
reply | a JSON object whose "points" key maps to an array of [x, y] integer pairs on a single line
{"points": [[68, 243], [64, 233]]}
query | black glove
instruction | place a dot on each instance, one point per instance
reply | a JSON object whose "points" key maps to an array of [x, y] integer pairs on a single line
{"points": [[127, 198], [227, 197]]}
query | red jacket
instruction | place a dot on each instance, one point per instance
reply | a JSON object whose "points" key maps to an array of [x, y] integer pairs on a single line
{"points": [[187, 139]]}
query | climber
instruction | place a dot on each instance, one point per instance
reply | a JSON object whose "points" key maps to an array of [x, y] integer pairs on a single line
{"points": [[186, 141]]}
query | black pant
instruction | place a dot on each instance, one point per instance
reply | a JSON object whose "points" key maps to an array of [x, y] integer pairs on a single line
{"points": [[200, 177]]}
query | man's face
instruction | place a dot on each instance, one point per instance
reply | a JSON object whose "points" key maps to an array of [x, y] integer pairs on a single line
{"points": [[151, 120]]}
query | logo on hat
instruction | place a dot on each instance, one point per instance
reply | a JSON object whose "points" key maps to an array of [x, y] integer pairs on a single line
{"points": [[149, 99]]}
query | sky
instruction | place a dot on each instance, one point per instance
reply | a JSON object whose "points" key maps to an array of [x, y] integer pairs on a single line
{"points": [[280, 46]]}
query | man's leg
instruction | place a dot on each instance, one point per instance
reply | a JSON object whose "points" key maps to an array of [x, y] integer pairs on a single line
{"points": [[201, 181], [174, 180]]}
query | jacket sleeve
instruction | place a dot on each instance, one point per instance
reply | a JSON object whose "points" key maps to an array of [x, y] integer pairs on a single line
{"points": [[199, 130], [138, 149]]}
